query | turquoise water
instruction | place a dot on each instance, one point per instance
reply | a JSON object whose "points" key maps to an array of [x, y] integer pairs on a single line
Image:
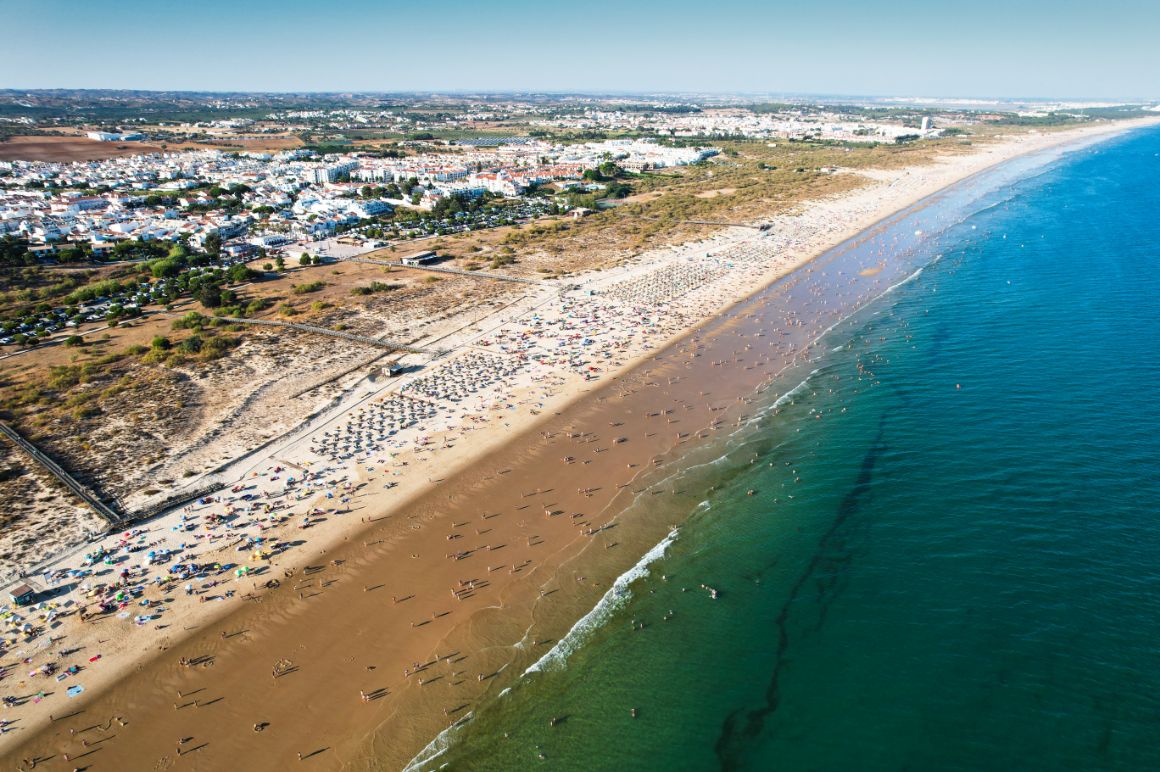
{"points": [[950, 560]]}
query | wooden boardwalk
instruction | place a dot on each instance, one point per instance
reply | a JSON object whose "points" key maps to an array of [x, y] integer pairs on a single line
{"points": [[441, 269], [112, 516], [386, 343]]}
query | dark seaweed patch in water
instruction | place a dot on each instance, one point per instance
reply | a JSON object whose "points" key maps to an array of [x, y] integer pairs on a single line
{"points": [[826, 572]]}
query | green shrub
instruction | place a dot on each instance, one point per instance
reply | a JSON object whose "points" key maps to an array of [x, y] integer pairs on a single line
{"points": [[191, 321], [255, 306], [302, 289]]}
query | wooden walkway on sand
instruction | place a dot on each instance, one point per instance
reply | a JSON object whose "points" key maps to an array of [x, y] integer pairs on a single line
{"points": [[112, 516], [386, 343], [441, 269]]}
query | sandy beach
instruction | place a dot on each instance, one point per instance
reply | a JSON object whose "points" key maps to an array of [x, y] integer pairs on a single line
{"points": [[370, 577]]}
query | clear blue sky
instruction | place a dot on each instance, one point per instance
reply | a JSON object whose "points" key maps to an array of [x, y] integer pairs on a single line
{"points": [[1002, 48]]}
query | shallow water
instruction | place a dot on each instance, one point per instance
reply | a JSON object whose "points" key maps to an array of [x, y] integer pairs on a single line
{"points": [[949, 559]]}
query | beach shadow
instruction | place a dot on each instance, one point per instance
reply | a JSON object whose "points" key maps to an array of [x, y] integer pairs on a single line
{"points": [[70, 715]]}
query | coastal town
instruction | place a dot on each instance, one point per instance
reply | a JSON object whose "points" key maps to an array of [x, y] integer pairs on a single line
{"points": [[278, 360], [243, 206]]}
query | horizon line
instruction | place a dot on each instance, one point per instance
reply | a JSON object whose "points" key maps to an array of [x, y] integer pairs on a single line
{"points": [[590, 92]]}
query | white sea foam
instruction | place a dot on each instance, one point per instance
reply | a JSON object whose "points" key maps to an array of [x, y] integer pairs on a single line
{"points": [[777, 403], [434, 749], [616, 597], [618, 594], [907, 280]]}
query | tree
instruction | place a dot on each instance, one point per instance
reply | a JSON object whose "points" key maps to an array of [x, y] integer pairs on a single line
{"points": [[209, 295], [304, 259], [213, 243], [610, 171], [280, 262], [618, 190], [239, 272], [165, 268], [267, 267], [71, 255], [317, 260]]}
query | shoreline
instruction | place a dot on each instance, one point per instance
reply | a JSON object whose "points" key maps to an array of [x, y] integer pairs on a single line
{"points": [[463, 467]]}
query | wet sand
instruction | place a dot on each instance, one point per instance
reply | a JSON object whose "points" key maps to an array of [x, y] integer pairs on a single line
{"points": [[361, 657]]}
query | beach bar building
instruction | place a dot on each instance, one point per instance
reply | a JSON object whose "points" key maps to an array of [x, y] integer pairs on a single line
{"points": [[22, 595], [419, 258]]}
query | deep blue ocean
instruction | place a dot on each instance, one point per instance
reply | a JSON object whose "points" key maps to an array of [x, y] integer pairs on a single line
{"points": [[951, 559]]}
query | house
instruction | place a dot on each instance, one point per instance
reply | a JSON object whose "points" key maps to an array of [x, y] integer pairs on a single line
{"points": [[42, 250], [239, 250], [368, 208], [270, 240]]}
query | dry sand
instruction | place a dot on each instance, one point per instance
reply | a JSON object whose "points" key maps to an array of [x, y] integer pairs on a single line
{"points": [[68, 149], [385, 629]]}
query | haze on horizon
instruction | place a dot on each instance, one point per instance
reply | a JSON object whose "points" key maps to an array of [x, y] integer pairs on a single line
{"points": [[991, 48]]}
